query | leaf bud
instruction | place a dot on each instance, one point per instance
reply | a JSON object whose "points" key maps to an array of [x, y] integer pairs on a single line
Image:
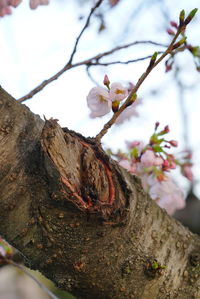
{"points": [[181, 18], [190, 16], [180, 42], [115, 106], [153, 60]]}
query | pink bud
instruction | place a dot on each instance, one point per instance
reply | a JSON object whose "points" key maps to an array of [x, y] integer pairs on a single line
{"points": [[113, 2], [157, 125], [187, 171], [168, 66], [106, 81], [130, 86], [173, 143], [165, 165], [166, 129], [173, 24], [170, 31]]}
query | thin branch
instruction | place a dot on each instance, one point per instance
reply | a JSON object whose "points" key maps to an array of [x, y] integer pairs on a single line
{"points": [[45, 289], [120, 62], [90, 76], [84, 62], [82, 31], [118, 48], [135, 89]]}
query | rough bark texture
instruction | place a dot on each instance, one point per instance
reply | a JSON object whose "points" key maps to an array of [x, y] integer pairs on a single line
{"points": [[83, 221]]}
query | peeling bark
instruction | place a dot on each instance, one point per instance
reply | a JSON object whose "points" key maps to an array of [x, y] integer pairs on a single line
{"points": [[83, 221]]}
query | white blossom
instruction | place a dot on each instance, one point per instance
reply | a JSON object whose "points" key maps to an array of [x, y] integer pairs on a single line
{"points": [[127, 113], [130, 167], [98, 101], [167, 194], [149, 159], [118, 92]]}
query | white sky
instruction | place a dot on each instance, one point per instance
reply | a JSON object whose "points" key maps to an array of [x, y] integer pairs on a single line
{"points": [[34, 45]]}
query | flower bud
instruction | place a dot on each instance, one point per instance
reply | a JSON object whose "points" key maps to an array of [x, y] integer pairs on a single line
{"points": [[170, 31], [179, 43], [173, 24], [173, 143], [156, 125], [166, 129], [106, 81]]}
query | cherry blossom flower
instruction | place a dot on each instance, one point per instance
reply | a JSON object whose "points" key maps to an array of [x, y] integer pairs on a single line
{"points": [[5, 5], [127, 113], [118, 92], [15, 3], [35, 3], [132, 144], [5, 11], [130, 167], [186, 170], [149, 159], [98, 101], [167, 194]]}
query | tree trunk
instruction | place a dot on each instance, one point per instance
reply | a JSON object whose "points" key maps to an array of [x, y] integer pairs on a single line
{"points": [[82, 220]]}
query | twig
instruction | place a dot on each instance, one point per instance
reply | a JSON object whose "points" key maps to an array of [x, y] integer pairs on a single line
{"points": [[45, 289], [120, 62], [84, 62], [118, 48], [90, 76], [69, 63], [135, 89], [82, 31]]}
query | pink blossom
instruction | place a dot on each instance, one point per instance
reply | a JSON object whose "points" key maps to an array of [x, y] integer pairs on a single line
{"points": [[127, 113], [187, 171], [5, 9], [132, 144], [172, 202], [168, 195], [15, 3], [130, 167], [149, 159], [99, 102], [118, 92], [35, 3], [5, 6]]}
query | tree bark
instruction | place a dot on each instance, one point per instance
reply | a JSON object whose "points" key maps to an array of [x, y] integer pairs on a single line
{"points": [[82, 220]]}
